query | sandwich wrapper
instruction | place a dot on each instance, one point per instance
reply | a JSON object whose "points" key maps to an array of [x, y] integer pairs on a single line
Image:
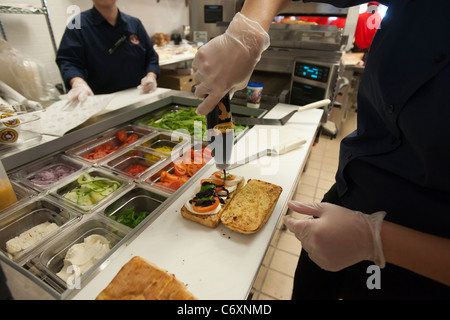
{"points": [[62, 116]]}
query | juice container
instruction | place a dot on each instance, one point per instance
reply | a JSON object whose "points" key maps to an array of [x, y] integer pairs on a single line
{"points": [[220, 133], [7, 194]]}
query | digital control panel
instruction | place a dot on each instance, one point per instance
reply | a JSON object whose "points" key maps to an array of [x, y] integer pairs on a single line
{"points": [[311, 71]]}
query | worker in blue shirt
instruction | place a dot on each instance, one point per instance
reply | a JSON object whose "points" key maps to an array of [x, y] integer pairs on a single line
{"points": [[106, 51], [388, 214]]}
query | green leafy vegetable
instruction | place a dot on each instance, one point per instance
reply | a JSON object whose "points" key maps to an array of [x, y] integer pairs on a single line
{"points": [[185, 119], [131, 218]]}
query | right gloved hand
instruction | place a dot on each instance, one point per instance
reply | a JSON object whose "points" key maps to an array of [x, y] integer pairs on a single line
{"points": [[225, 64], [80, 90]]}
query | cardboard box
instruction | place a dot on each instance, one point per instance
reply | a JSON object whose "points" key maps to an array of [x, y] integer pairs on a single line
{"points": [[170, 80]]}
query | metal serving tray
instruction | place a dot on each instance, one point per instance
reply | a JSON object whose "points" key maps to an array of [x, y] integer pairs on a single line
{"points": [[59, 193], [197, 128], [123, 162], [29, 215], [26, 175], [176, 141], [138, 199], [109, 136]]}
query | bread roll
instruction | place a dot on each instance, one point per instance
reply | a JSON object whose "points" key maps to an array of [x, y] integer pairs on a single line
{"points": [[251, 207], [142, 280]]}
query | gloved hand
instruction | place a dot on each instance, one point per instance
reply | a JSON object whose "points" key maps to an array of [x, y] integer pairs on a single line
{"points": [[80, 90], [148, 84], [339, 237], [225, 64]]}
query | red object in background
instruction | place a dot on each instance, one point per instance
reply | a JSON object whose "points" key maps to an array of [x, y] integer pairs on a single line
{"points": [[339, 22], [318, 20], [366, 28]]}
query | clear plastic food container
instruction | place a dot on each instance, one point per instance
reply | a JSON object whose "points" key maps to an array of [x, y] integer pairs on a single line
{"points": [[49, 172], [22, 219], [135, 162], [134, 206], [91, 189], [105, 145]]}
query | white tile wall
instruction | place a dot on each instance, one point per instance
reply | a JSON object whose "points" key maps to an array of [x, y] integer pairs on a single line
{"points": [[29, 33]]}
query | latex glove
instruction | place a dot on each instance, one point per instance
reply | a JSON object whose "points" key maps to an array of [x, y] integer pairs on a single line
{"points": [[80, 91], [339, 237], [225, 64], [148, 84]]}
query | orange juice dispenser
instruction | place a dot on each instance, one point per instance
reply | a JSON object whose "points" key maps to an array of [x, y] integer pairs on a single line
{"points": [[7, 194]]}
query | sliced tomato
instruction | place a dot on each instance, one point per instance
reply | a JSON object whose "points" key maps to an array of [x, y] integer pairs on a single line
{"points": [[132, 138], [207, 154], [165, 176], [180, 168], [192, 168], [219, 175], [135, 169], [122, 135], [201, 209]]}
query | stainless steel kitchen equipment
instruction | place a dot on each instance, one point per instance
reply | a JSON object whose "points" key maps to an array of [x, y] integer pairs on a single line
{"points": [[210, 18], [318, 48]]}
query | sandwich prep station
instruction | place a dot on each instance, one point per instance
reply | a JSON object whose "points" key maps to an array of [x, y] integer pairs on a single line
{"points": [[192, 252]]}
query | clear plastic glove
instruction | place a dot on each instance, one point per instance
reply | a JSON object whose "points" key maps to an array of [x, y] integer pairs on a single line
{"points": [[80, 91], [340, 237], [225, 64], [148, 84]]}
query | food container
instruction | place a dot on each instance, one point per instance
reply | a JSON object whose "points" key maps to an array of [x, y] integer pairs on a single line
{"points": [[135, 162], [108, 143], [29, 215], [176, 117], [134, 206], [51, 260], [99, 187], [167, 143], [171, 175], [49, 172]]}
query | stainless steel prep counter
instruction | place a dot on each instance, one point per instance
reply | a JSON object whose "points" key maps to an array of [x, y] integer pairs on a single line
{"points": [[214, 263]]}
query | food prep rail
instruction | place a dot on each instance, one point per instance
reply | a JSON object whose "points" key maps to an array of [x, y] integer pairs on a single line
{"points": [[36, 267]]}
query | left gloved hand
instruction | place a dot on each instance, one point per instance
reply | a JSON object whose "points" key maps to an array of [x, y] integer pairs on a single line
{"points": [[339, 237], [148, 84]]}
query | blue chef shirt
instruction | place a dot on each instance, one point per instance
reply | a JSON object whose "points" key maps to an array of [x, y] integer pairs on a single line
{"points": [[398, 159], [84, 52]]}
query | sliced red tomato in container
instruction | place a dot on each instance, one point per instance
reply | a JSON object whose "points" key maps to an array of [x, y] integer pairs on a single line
{"points": [[192, 169], [122, 136], [179, 168]]}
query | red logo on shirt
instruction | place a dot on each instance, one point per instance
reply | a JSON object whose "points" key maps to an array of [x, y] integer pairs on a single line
{"points": [[134, 39]]}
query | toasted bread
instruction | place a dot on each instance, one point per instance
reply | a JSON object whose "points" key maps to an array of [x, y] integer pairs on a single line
{"points": [[210, 220], [139, 279], [251, 207]]}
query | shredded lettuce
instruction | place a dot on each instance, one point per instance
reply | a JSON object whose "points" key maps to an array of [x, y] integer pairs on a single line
{"points": [[185, 119]]}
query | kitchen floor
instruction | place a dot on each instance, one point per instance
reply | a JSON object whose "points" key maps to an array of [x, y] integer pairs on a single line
{"points": [[275, 277]]}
